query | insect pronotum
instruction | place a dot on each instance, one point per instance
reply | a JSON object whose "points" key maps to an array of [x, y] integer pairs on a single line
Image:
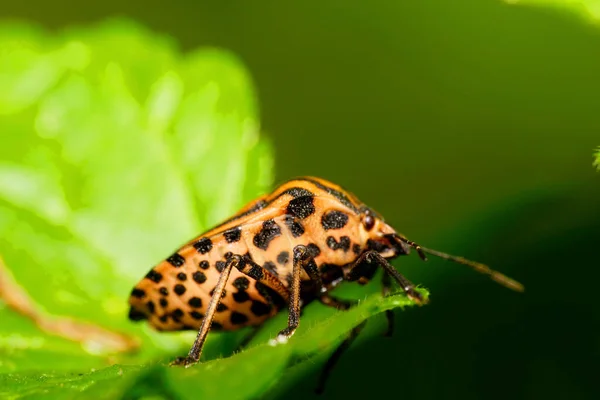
{"points": [[294, 244]]}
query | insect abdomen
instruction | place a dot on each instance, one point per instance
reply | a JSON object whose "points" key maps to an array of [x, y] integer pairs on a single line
{"points": [[175, 294]]}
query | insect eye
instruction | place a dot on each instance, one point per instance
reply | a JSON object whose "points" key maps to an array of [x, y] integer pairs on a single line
{"points": [[369, 222]]}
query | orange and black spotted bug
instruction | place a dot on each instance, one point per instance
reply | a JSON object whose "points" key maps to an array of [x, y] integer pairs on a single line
{"points": [[280, 251]]}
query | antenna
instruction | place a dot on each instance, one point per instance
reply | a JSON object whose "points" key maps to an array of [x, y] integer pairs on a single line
{"points": [[479, 267]]}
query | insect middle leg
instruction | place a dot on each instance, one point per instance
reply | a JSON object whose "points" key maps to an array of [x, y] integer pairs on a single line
{"points": [[303, 260]]}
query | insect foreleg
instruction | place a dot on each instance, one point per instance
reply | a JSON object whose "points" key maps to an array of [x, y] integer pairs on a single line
{"points": [[373, 257]]}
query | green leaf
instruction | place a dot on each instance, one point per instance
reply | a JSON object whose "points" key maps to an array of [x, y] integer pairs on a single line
{"points": [[232, 378], [117, 148], [589, 9], [597, 159]]}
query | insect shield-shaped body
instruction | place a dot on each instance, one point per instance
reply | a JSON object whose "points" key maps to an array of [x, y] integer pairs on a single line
{"points": [[294, 244]]}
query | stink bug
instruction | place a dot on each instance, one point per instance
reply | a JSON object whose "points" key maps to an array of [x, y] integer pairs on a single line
{"points": [[283, 249]]}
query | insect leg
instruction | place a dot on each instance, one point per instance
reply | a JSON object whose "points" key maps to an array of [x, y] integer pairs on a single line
{"points": [[196, 350], [386, 288], [373, 257], [340, 304], [334, 358], [324, 297], [260, 274], [302, 258]]}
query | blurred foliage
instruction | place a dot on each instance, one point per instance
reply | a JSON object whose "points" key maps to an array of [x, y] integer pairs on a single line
{"points": [[116, 148], [597, 159]]}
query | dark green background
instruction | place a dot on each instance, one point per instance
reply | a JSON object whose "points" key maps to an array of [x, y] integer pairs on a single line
{"points": [[470, 125]]}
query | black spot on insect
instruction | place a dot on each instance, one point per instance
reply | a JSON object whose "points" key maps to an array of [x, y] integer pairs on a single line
{"points": [[296, 192], [179, 289], [151, 307], [256, 272], [164, 291], [283, 257], [356, 248], [222, 307], [138, 293], [233, 235], [259, 308], [181, 276], [271, 267], [163, 302], [295, 227], [177, 313], [176, 260], [199, 277], [196, 315], [216, 326], [343, 244], [301, 207], [204, 264], [241, 297], [163, 318], [220, 265], [313, 250], [228, 255], [241, 283], [334, 220], [238, 318], [203, 245], [136, 315], [154, 276], [195, 302], [270, 230], [335, 193]]}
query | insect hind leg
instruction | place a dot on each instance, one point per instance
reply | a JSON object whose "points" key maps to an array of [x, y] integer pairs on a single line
{"points": [[335, 356], [194, 354], [386, 290]]}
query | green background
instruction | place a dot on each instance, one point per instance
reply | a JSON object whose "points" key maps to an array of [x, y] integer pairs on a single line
{"points": [[470, 126]]}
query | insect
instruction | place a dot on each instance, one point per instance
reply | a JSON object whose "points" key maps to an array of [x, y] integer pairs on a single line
{"points": [[282, 250]]}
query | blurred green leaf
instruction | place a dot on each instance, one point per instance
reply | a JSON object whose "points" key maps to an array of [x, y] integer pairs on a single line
{"points": [[116, 148], [597, 159], [589, 9]]}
